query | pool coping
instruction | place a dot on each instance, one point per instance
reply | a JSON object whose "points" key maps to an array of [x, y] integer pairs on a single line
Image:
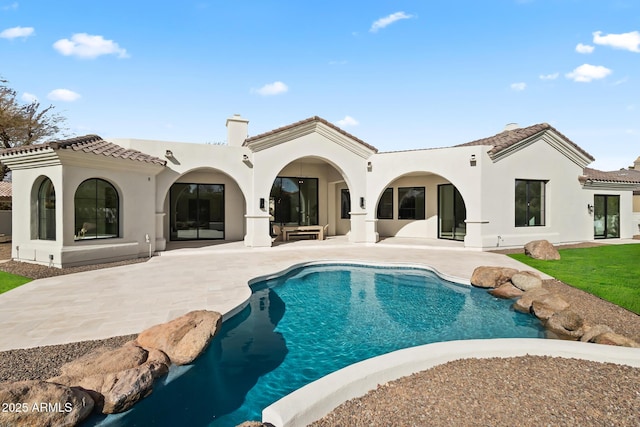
{"points": [[317, 399]]}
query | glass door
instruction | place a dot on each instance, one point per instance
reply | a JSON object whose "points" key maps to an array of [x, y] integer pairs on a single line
{"points": [[295, 201], [606, 216], [197, 211], [452, 213]]}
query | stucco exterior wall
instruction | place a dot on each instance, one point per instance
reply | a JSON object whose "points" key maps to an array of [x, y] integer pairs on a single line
{"points": [[566, 218]]}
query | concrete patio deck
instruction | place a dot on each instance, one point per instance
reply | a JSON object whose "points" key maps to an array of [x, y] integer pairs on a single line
{"points": [[125, 300]]}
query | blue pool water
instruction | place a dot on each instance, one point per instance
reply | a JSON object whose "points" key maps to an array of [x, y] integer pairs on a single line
{"points": [[311, 322]]}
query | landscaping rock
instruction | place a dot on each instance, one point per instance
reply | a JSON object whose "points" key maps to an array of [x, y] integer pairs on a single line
{"points": [[182, 339], [104, 360], [506, 291], [158, 362], [523, 304], [526, 280], [39, 403], [124, 389], [541, 249], [547, 305], [566, 324], [611, 338], [491, 277], [592, 332]]}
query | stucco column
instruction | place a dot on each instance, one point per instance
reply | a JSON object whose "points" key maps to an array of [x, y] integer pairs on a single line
{"points": [[258, 235], [161, 240], [473, 237], [358, 232], [371, 231]]}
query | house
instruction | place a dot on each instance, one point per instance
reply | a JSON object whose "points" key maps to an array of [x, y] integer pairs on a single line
{"points": [[88, 200]]}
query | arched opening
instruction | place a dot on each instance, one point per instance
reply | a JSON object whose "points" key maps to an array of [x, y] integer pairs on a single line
{"points": [[205, 204], [310, 192], [423, 205], [97, 210], [46, 207]]}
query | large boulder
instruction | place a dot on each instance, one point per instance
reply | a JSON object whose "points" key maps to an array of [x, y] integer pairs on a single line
{"points": [[566, 324], [541, 249], [506, 291], [39, 403], [122, 390], [184, 338], [526, 280], [523, 304], [611, 338], [491, 277], [105, 360], [547, 305], [591, 332]]}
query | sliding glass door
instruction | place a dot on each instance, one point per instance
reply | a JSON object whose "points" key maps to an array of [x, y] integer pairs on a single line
{"points": [[606, 216], [452, 213], [197, 211], [295, 201]]}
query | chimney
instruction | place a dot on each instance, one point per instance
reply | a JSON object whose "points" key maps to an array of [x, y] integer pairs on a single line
{"points": [[636, 164], [237, 130], [511, 126]]}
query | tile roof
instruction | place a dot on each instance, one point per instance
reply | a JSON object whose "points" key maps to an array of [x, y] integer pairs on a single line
{"points": [[5, 189], [305, 121], [93, 144], [507, 138], [627, 176]]}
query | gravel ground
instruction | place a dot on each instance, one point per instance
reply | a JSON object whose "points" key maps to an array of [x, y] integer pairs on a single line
{"points": [[527, 391]]}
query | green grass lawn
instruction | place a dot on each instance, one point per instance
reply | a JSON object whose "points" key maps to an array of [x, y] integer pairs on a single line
{"points": [[9, 281], [611, 272]]}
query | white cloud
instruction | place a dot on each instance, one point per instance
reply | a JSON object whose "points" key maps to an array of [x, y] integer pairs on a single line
{"points": [[275, 88], [84, 45], [347, 121], [29, 97], [549, 76], [586, 72], [518, 86], [63, 95], [388, 20], [15, 32], [584, 48], [12, 6], [627, 41]]}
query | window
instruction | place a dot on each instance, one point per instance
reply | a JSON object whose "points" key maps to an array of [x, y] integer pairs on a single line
{"points": [[47, 211], [385, 205], [345, 204], [529, 198], [97, 210], [197, 211], [295, 200], [411, 203]]}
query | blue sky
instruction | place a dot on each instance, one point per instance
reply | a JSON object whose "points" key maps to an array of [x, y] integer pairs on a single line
{"points": [[399, 75]]}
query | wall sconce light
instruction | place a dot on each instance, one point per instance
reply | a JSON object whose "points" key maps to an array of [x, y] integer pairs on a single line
{"points": [[246, 161], [245, 158], [168, 154], [362, 203], [472, 160], [261, 202], [369, 167], [590, 208]]}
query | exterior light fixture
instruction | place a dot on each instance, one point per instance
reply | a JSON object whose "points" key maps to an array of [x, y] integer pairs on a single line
{"points": [[261, 202], [168, 154], [362, 203], [246, 161], [369, 167], [472, 160], [590, 208]]}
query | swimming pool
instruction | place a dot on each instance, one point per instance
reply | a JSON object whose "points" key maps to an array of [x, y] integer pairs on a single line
{"points": [[313, 321]]}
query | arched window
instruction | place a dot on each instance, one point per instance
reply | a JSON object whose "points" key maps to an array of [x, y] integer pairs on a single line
{"points": [[97, 210], [47, 211]]}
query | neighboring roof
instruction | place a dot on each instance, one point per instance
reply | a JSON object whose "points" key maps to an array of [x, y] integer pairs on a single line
{"points": [[626, 176], [304, 122], [5, 190], [507, 138], [93, 144]]}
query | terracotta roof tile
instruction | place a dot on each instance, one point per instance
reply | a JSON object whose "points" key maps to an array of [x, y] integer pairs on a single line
{"points": [[507, 138], [5, 189], [88, 144], [628, 176], [305, 121]]}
